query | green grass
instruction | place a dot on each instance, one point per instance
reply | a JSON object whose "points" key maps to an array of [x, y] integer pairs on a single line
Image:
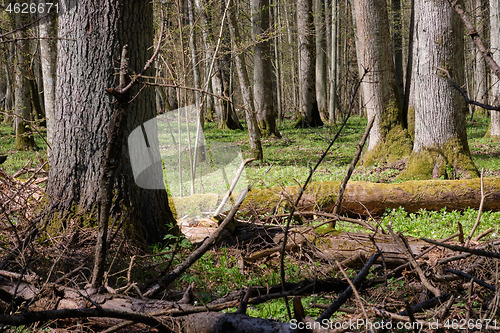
{"points": [[18, 159], [287, 161]]}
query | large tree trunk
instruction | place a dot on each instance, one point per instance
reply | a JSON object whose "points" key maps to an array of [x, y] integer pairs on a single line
{"points": [[86, 66], [372, 199], [246, 90], [494, 130], [388, 140], [440, 147], [262, 70], [22, 104], [308, 106]]}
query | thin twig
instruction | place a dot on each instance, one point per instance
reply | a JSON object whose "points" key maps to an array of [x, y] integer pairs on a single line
{"points": [[479, 212], [302, 189], [350, 170], [405, 248], [477, 252]]}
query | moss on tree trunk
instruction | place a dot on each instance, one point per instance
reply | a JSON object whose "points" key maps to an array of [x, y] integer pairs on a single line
{"points": [[367, 198]]}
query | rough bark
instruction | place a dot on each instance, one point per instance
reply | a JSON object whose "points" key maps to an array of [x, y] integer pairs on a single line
{"points": [[319, 23], [22, 104], [494, 130], [308, 106], [86, 66], [332, 105], [194, 54], [367, 198], [397, 37], [246, 90], [440, 146], [262, 70], [388, 140], [480, 70]]}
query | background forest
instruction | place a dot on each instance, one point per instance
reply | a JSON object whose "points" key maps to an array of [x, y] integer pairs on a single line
{"points": [[192, 165]]}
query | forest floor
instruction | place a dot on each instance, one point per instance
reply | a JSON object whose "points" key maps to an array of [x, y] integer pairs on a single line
{"points": [[222, 270]]}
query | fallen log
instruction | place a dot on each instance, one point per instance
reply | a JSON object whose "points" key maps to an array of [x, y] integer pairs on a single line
{"points": [[366, 198], [352, 249]]}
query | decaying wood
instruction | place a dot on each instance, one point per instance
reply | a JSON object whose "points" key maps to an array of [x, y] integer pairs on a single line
{"points": [[366, 198], [403, 245], [478, 252], [347, 293], [207, 244]]}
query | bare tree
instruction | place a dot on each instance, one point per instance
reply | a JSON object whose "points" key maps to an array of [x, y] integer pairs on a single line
{"points": [[494, 130], [48, 54], [320, 26], [22, 102], [246, 90], [308, 106], [262, 70]]}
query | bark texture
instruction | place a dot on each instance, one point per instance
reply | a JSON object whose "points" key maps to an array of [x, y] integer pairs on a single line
{"points": [[480, 70], [246, 91], [388, 140], [368, 199], [440, 146], [88, 58], [22, 102], [494, 130], [262, 70], [48, 54], [319, 22], [308, 106]]}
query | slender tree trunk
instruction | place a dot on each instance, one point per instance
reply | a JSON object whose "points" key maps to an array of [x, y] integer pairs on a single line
{"points": [[480, 73], [262, 71], [292, 54], [194, 54], [226, 115], [440, 148], [397, 31], [22, 104], [388, 140], [246, 90], [332, 105], [8, 93], [494, 130], [308, 106], [85, 69], [319, 22]]}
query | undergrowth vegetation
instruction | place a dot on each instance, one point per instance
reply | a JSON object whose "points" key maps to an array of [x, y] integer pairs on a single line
{"points": [[287, 161]]}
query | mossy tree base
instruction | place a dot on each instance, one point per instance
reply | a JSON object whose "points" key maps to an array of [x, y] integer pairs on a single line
{"points": [[396, 145], [450, 161]]}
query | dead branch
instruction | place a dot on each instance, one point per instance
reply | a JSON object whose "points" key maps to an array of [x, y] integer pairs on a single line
{"points": [[464, 93], [401, 241], [350, 170], [31, 317], [474, 35], [479, 212], [303, 188], [473, 278], [347, 293], [477, 252], [204, 247]]}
